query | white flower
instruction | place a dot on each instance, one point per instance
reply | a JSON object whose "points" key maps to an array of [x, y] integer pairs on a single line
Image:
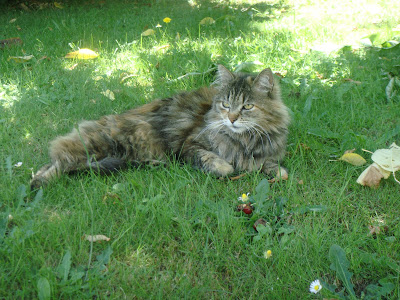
{"points": [[18, 164], [244, 197], [315, 286]]}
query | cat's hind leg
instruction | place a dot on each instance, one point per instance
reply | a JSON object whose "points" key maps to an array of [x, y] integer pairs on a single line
{"points": [[82, 149]]}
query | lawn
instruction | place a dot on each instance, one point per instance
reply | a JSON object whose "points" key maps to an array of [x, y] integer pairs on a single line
{"points": [[174, 232]]}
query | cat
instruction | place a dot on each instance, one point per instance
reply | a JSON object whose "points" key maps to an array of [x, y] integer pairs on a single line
{"points": [[239, 123]]}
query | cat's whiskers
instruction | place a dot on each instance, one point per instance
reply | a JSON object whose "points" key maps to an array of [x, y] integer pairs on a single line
{"points": [[210, 127], [259, 130]]}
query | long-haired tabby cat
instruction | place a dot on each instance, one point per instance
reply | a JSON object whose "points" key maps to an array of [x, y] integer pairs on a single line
{"points": [[238, 124]]}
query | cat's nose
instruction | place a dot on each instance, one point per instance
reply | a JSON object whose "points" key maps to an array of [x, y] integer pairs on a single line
{"points": [[233, 117]]}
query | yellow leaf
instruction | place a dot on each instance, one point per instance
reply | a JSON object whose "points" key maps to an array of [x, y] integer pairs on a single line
{"points": [[96, 238], [21, 59], [388, 159], [82, 54], [353, 158], [109, 94], [58, 5], [148, 32], [161, 47], [207, 21], [372, 176]]}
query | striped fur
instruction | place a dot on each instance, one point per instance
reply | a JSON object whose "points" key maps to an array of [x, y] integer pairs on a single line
{"points": [[238, 124]]}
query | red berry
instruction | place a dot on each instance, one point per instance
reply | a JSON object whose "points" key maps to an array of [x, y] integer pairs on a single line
{"points": [[247, 209]]}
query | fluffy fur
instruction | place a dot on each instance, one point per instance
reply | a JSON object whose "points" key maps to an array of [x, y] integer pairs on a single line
{"points": [[238, 124]]}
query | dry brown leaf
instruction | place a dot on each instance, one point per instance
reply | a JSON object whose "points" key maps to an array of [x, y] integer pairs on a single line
{"points": [[282, 176], [259, 222], [10, 42], [372, 176], [374, 230], [353, 158], [95, 238], [353, 81]]}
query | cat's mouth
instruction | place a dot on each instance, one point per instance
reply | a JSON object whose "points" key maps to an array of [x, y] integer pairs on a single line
{"points": [[235, 127]]}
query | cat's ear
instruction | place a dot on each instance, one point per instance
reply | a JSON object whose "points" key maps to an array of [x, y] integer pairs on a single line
{"points": [[223, 76], [264, 81]]}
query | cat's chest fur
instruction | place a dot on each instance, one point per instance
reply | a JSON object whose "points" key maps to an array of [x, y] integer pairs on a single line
{"points": [[242, 154]]}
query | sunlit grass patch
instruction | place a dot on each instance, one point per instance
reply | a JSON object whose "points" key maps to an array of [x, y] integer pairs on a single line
{"points": [[174, 231]]}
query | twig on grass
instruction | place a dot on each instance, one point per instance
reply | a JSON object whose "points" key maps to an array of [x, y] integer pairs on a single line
{"points": [[192, 74]]}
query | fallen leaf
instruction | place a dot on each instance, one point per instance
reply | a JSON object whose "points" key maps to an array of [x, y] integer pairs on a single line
{"points": [[259, 222], [109, 94], [148, 32], [282, 176], [161, 47], [374, 230], [82, 54], [12, 20], [300, 182], [21, 59], [126, 76], [95, 238], [72, 67], [207, 21], [389, 89], [24, 7], [58, 5], [388, 159], [353, 158], [350, 151], [372, 176], [9, 42], [109, 195], [351, 80]]}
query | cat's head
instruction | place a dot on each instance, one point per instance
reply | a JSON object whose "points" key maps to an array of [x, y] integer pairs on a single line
{"points": [[248, 103]]}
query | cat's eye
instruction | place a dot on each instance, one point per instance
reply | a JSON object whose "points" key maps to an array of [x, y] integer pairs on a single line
{"points": [[248, 106], [225, 104]]}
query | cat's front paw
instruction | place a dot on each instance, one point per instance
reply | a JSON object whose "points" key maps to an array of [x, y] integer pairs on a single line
{"points": [[220, 167]]}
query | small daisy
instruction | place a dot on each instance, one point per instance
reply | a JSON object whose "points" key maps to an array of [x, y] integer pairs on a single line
{"points": [[267, 254], [167, 20], [158, 26], [315, 286], [244, 197]]}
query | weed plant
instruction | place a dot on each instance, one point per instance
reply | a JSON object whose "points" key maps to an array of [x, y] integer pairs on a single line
{"points": [[174, 231]]}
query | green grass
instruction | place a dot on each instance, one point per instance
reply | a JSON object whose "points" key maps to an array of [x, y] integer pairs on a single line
{"points": [[174, 232]]}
